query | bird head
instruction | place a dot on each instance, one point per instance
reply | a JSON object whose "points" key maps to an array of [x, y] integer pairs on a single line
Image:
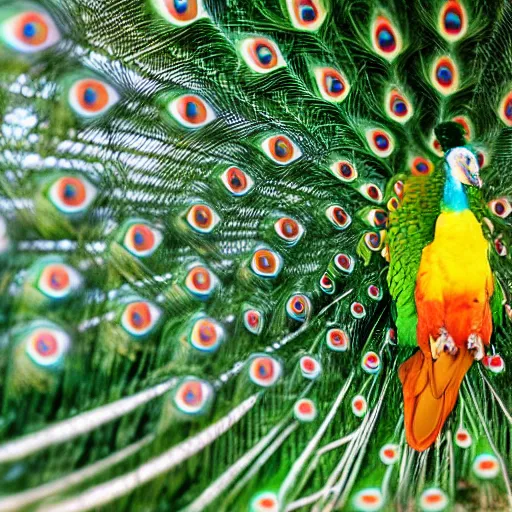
{"points": [[464, 166], [461, 161]]}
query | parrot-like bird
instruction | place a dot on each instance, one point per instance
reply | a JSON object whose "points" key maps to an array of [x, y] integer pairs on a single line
{"points": [[255, 255]]}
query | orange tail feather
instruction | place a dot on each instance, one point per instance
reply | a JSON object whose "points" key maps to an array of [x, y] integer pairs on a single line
{"points": [[430, 391]]}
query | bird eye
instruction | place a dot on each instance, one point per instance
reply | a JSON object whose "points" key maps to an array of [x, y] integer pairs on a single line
{"points": [[90, 97], [139, 318], [58, 280], [29, 31], [71, 194]]}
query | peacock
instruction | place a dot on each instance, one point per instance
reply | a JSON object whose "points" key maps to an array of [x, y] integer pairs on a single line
{"points": [[255, 255]]}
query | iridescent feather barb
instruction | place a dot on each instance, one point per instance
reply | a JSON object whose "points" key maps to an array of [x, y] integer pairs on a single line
{"points": [[212, 218]]}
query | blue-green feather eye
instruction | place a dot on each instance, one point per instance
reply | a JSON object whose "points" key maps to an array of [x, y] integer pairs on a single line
{"points": [[58, 280], [140, 318], [46, 345], [193, 396], [72, 195], [28, 30], [141, 238]]}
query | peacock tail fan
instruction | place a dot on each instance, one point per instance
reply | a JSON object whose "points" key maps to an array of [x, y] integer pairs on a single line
{"points": [[195, 307]]}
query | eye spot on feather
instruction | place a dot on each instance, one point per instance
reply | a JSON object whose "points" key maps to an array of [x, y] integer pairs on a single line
{"points": [[281, 149], [306, 14], [58, 281], [200, 281], [140, 318], [344, 262], [265, 502], [463, 438], [90, 97], [486, 466], [72, 195], [374, 292], [371, 363], [421, 166], [179, 13], [332, 84], [202, 218], [337, 340], [433, 500], [289, 230], [261, 54], [386, 39], [193, 396], [191, 111], [327, 284], [393, 204], [444, 75], [47, 346], [389, 454], [298, 307], [344, 170], [253, 321], [500, 207], [373, 241], [206, 335], [310, 367], [304, 410], [29, 31], [371, 192], [368, 500], [381, 143], [142, 239], [453, 22], [494, 363], [266, 263], [357, 310], [264, 371], [397, 106], [500, 247], [505, 109], [236, 181], [466, 123], [359, 406], [377, 218], [338, 217]]}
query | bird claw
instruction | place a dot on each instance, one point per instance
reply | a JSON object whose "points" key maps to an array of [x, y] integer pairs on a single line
{"points": [[444, 343], [475, 343]]}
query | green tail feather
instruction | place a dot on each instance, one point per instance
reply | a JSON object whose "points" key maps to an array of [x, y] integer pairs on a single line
{"points": [[196, 307]]}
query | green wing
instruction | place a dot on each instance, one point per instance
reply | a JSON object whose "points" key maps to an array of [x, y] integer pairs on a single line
{"points": [[411, 228]]}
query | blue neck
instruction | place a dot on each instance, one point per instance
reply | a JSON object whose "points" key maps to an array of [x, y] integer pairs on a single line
{"points": [[454, 197]]}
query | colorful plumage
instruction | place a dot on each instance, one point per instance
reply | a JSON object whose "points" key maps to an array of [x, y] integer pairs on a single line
{"points": [[255, 255]]}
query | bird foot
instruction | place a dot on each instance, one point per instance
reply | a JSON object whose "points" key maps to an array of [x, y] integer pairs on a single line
{"points": [[476, 344], [444, 343]]}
